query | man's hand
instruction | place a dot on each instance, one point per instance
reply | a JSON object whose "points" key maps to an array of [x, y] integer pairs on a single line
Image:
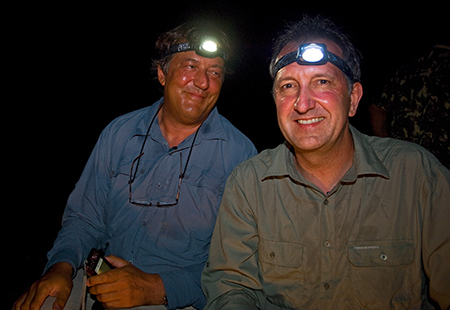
{"points": [[126, 286], [56, 282]]}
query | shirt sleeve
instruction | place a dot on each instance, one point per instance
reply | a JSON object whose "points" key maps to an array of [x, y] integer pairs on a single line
{"points": [[436, 235], [230, 279], [83, 220], [183, 287]]}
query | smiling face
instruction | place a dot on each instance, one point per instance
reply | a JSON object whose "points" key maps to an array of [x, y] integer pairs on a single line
{"points": [[313, 102], [191, 86]]}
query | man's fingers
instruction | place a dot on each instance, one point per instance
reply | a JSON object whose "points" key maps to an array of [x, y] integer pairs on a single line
{"points": [[28, 297], [103, 278], [21, 301], [101, 288], [61, 300], [38, 300], [56, 282], [117, 261], [33, 298], [107, 297]]}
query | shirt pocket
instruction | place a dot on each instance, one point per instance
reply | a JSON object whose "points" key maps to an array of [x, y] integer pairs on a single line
{"points": [[283, 254], [283, 278], [382, 272], [380, 253], [210, 179]]}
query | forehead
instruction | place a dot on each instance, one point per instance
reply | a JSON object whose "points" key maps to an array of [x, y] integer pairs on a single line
{"points": [[181, 57], [293, 46]]}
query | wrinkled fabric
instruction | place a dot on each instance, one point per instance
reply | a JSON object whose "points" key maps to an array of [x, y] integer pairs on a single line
{"points": [[173, 241], [369, 243]]}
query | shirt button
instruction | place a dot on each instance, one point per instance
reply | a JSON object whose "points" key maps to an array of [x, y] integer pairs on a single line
{"points": [[326, 286], [325, 202], [272, 255], [327, 244]]}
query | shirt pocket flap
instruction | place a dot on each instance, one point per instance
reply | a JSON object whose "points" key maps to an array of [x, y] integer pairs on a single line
{"points": [[381, 253], [284, 254], [211, 179]]}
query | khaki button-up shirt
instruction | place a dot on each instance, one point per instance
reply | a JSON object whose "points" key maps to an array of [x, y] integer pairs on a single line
{"points": [[370, 243]]}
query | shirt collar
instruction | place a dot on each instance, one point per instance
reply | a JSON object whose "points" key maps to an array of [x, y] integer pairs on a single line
{"points": [[211, 129], [365, 161]]}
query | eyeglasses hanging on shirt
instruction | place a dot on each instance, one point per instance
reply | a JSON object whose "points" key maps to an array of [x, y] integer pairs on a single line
{"points": [[135, 166]]}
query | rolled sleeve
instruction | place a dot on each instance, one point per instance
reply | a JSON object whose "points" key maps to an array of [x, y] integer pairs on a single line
{"points": [[183, 287], [83, 221]]}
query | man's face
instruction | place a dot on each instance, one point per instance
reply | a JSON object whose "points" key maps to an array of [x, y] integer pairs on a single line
{"points": [[191, 86], [313, 102]]}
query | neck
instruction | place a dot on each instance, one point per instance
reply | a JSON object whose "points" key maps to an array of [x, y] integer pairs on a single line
{"points": [[173, 131], [326, 168]]}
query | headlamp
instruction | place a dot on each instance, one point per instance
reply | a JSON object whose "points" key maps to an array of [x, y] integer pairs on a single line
{"points": [[313, 54], [208, 47]]}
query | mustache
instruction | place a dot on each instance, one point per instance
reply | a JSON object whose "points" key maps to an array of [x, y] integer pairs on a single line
{"points": [[195, 90]]}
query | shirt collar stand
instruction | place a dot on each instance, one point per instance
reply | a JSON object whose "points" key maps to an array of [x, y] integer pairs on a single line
{"points": [[365, 162], [212, 128]]}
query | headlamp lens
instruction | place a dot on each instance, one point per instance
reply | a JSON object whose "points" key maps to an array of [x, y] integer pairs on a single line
{"points": [[312, 53], [209, 46]]}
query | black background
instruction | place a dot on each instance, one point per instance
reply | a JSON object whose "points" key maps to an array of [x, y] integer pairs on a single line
{"points": [[73, 68]]}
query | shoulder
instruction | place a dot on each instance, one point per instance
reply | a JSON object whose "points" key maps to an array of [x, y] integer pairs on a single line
{"points": [[232, 134], [236, 146], [130, 124], [406, 157], [389, 148], [129, 121], [258, 165]]}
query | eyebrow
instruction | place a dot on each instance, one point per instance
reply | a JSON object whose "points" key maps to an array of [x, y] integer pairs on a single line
{"points": [[196, 61], [189, 59], [286, 78], [324, 73]]}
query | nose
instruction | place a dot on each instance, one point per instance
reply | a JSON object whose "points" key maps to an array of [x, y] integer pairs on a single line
{"points": [[305, 101], [201, 80]]}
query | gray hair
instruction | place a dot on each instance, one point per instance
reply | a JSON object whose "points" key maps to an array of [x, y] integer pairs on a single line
{"points": [[318, 28], [188, 32]]}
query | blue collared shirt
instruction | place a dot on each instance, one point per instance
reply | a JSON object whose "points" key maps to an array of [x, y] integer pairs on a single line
{"points": [[172, 241]]}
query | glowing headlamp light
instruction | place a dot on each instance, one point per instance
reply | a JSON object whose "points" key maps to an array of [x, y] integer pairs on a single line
{"points": [[313, 54], [208, 47]]}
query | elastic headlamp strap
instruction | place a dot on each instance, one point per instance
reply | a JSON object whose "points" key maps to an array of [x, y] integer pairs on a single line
{"points": [[181, 47], [328, 57], [285, 60], [341, 64], [187, 46]]}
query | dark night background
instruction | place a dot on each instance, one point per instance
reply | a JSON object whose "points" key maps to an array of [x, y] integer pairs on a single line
{"points": [[74, 68]]}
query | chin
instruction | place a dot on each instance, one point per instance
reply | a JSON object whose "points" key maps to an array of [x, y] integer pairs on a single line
{"points": [[306, 144]]}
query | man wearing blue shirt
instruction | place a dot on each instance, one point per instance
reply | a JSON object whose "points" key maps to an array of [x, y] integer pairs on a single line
{"points": [[151, 189]]}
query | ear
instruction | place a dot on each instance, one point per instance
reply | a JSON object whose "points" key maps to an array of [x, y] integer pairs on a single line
{"points": [[355, 97], [161, 76]]}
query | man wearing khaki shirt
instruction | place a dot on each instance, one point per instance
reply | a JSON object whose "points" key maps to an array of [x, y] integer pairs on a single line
{"points": [[332, 218]]}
